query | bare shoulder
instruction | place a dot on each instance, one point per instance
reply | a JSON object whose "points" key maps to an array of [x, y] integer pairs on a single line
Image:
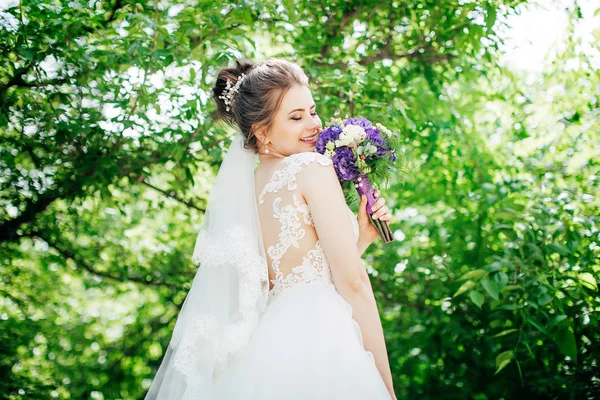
{"points": [[317, 178]]}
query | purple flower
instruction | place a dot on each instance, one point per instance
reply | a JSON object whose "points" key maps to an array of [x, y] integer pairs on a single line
{"points": [[362, 122], [344, 159], [373, 134], [331, 134], [345, 164]]}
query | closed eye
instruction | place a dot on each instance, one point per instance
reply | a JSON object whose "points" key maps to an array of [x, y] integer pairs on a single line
{"points": [[299, 118]]}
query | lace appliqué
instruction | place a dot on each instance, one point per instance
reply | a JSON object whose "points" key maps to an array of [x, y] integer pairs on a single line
{"points": [[291, 231], [314, 267], [287, 175], [205, 336]]}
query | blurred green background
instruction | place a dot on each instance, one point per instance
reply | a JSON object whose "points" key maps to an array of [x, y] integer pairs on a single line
{"points": [[108, 151]]}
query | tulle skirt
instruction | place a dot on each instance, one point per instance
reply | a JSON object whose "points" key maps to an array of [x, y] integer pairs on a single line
{"points": [[307, 346]]}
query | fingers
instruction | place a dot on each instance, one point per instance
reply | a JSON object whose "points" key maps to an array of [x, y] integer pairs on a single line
{"points": [[378, 204], [386, 217], [382, 214], [381, 211], [363, 203]]}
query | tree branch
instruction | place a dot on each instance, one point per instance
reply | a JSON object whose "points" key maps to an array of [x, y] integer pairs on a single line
{"points": [[9, 229], [174, 196], [17, 78], [118, 4], [147, 69], [68, 254], [347, 16]]}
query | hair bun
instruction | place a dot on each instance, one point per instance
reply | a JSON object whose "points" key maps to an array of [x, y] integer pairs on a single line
{"points": [[244, 66], [232, 75]]}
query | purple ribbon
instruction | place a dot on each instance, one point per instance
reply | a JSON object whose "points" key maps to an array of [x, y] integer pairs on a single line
{"points": [[364, 186]]}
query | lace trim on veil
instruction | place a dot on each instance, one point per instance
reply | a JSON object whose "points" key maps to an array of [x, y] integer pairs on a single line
{"points": [[234, 249]]}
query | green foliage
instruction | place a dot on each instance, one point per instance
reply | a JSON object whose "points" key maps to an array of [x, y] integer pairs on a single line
{"points": [[108, 150]]}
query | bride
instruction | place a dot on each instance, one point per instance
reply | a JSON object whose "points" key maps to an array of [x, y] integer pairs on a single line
{"points": [[281, 306]]}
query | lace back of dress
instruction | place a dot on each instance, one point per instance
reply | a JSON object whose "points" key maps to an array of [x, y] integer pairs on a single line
{"points": [[294, 253]]}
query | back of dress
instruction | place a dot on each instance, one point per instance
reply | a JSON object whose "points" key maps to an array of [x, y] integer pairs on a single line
{"points": [[294, 253], [307, 344]]}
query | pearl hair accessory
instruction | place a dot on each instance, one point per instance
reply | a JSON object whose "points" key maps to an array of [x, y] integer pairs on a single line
{"points": [[230, 91]]}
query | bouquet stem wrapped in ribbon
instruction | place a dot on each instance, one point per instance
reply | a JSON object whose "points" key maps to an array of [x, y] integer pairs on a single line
{"points": [[363, 155], [365, 186]]}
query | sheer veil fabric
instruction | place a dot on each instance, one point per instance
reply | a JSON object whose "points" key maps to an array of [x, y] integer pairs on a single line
{"points": [[229, 291]]}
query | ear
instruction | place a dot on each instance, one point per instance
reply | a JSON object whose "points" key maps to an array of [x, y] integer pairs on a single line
{"points": [[260, 134]]}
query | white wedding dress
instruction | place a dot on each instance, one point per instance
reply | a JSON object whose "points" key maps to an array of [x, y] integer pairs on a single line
{"points": [[306, 346]]}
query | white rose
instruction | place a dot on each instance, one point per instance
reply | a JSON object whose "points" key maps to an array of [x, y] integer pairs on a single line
{"points": [[353, 132], [343, 141]]}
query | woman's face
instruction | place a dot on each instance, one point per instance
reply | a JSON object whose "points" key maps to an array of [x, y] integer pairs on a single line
{"points": [[296, 119]]}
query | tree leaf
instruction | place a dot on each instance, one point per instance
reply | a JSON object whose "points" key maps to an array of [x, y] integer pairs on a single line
{"points": [[508, 288], [588, 280], [501, 279], [503, 359], [474, 275], [544, 299], [491, 287], [537, 326], [493, 267], [465, 286], [554, 321], [490, 16], [565, 339], [557, 248], [505, 332], [477, 298]]}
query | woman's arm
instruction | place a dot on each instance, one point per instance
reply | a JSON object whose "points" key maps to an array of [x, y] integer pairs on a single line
{"points": [[364, 310], [324, 196], [362, 245]]}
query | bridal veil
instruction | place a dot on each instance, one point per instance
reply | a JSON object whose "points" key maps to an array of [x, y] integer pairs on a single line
{"points": [[230, 288]]}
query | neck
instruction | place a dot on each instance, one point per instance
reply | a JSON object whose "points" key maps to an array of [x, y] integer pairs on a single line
{"points": [[271, 157], [268, 159]]}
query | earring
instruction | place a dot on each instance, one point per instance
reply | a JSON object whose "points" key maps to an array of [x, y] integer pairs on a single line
{"points": [[267, 149]]}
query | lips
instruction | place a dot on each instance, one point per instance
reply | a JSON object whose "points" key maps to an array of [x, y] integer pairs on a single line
{"points": [[310, 138]]}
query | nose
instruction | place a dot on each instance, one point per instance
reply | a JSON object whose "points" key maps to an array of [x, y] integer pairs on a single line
{"points": [[316, 126]]}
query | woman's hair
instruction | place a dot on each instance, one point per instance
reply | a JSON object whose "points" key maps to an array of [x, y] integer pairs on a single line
{"points": [[259, 95]]}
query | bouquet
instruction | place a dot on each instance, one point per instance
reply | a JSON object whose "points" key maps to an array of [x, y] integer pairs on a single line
{"points": [[363, 155]]}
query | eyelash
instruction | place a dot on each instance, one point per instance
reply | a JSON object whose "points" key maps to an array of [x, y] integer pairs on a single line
{"points": [[298, 119]]}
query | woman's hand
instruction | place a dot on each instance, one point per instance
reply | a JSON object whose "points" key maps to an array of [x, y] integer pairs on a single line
{"points": [[367, 232]]}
